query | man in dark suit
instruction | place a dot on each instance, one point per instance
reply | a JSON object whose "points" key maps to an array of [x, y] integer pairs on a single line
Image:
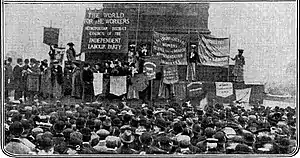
{"points": [[87, 82], [19, 84], [8, 77]]}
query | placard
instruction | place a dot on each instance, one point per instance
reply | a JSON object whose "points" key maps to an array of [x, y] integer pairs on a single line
{"points": [[118, 85], [98, 83], [213, 51], [51, 36], [105, 31], [171, 48], [224, 89], [170, 74]]}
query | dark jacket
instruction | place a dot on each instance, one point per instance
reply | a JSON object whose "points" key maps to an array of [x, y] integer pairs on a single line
{"points": [[57, 74]]}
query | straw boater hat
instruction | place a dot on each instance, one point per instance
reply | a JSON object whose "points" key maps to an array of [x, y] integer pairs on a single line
{"points": [[127, 137]]}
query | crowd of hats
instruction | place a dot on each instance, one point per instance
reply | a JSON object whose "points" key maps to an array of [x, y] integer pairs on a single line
{"points": [[118, 128]]}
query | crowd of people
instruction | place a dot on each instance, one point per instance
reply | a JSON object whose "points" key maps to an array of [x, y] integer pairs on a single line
{"points": [[116, 127], [36, 127], [49, 79]]}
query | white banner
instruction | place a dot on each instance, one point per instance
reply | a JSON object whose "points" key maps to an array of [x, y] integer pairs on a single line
{"points": [[117, 85], [243, 95], [224, 89], [98, 83]]}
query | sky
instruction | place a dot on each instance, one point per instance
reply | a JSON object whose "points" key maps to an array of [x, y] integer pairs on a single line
{"points": [[266, 32]]}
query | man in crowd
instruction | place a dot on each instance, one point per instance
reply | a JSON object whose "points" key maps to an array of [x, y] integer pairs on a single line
{"points": [[140, 129]]}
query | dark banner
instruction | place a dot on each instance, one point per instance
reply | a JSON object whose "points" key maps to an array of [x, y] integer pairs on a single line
{"points": [[105, 31], [51, 35], [172, 48], [213, 51]]}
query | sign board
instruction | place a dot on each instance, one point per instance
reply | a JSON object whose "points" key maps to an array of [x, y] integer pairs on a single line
{"points": [[170, 74], [224, 89], [172, 48], [51, 36], [195, 89], [213, 51], [105, 31]]}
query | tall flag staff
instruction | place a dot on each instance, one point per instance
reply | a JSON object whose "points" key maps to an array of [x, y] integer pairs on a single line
{"points": [[137, 28], [228, 73], [151, 81]]}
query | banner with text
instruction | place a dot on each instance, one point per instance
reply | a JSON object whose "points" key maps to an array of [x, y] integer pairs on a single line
{"points": [[170, 74], [118, 85], [213, 51], [195, 89], [172, 48], [105, 31], [150, 66], [51, 35], [98, 83], [224, 89]]}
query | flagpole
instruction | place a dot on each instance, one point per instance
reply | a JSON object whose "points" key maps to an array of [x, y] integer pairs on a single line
{"points": [[151, 81], [228, 59], [137, 28]]}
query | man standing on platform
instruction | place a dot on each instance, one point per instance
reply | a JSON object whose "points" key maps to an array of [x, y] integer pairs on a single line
{"points": [[71, 53], [24, 77], [238, 70], [193, 58], [19, 84], [87, 78], [8, 77]]}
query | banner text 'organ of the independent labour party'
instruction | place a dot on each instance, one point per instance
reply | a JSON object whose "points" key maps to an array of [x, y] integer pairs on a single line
{"points": [[105, 31]]}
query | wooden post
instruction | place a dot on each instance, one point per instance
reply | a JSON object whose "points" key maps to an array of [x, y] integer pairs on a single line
{"points": [[228, 60]]}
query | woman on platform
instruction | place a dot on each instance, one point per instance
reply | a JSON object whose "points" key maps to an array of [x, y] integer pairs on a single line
{"points": [[76, 81], [45, 89], [56, 79]]}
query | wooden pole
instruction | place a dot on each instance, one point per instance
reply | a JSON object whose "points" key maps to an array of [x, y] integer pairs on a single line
{"points": [[137, 28], [228, 60], [151, 81]]}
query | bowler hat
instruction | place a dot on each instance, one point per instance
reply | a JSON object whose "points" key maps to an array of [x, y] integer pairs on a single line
{"points": [[241, 50], [70, 44]]}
